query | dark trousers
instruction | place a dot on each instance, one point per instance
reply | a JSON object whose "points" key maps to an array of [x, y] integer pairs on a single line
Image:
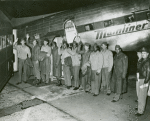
{"points": [[22, 70], [76, 75]]}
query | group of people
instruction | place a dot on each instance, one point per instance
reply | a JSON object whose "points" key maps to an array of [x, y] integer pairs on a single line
{"points": [[85, 67]]}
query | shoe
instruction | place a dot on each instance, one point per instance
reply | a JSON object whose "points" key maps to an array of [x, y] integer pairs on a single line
{"points": [[25, 82], [138, 114], [108, 94], [68, 87], [121, 96], [75, 88], [18, 83], [136, 108], [136, 100], [59, 84], [80, 88], [95, 95], [114, 101]]}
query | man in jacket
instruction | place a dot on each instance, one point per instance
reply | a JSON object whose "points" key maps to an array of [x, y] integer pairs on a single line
{"points": [[107, 67], [118, 84], [35, 60], [139, 62], [144, 77]]}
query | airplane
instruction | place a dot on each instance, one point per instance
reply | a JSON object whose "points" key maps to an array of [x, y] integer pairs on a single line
{"points": [[130, 31], [130, 36]]}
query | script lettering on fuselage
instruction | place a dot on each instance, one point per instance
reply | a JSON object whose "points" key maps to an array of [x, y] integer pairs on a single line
{"points": [[122, 29]]}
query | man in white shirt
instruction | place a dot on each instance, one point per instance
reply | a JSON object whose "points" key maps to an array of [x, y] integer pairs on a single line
{"points": [[23, 53]]}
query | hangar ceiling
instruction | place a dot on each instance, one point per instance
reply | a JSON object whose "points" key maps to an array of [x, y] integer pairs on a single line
{"points": [[24, 8]]}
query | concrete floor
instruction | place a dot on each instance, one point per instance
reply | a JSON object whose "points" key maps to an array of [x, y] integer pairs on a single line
{"points": [[61, 104]]}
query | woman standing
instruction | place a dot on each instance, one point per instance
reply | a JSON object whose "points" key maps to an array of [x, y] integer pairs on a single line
{"points": [[57, 66], [46, 63], [66, 62]]}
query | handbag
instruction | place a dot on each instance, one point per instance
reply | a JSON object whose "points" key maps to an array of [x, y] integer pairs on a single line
{"points": [[29, 62], [68, 61]]}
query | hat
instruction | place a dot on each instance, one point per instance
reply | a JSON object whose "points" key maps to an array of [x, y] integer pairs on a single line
{"points": [[104, 43], [144, 49], [118, 46], [87, 44]]}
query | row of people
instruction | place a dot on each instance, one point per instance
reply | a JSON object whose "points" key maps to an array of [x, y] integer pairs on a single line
{"points": [[96, 66]]}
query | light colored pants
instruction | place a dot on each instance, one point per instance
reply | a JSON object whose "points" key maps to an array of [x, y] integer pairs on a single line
{"points": [[76, 75], [142, 95], [67, 75], [95, 82], [36, 70], [137, 84], [22, 70], [106, 80]]}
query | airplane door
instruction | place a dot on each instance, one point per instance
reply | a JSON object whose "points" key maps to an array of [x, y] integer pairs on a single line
{"points": [[70, 31]]}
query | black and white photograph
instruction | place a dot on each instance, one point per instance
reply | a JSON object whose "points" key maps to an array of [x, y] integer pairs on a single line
{"points": [[74, 60]]}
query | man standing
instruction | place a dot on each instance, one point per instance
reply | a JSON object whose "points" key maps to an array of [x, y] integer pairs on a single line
{"points": [[107, 67], [144, 77], [139, 54], [76, 59], [57, 66], [35, 60], [118, 84], [86, 70], [23, 53], [66, 62], [96, 61]]}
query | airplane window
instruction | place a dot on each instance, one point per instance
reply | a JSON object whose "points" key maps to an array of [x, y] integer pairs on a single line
{"points": [[108, 23], [129, 18], [148, 15], [89, 27]]}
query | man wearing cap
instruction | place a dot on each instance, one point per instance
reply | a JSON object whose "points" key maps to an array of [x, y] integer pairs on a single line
{"points": [[144, 77], [23, 53], [107, 67], [118, 83], [96, 62]]}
